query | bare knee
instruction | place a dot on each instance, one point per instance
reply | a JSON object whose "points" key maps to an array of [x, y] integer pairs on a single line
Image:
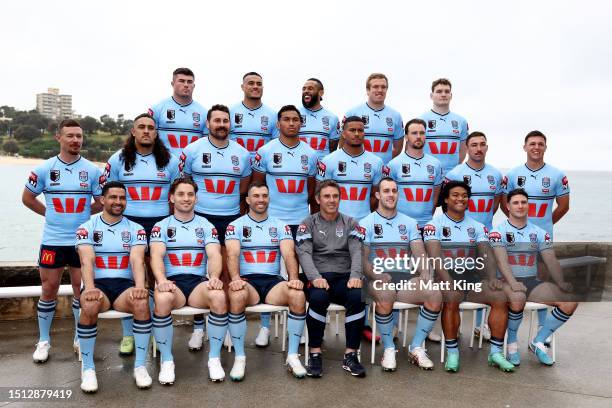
{"points": [[140, 308], [217, 301], [297, 301]]}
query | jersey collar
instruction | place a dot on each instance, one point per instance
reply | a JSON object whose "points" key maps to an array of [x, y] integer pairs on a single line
{"points": [[219, 148], [536, 170], [255, 221], [440, 114], [477, 170], [414, 158], [517, 228], [183, 222], [252, 110], [386, 218], [289, 147], [68, 164], [110, 225], [311, 110], [376, 110], [456, 222], [182, 106], [350, 155]]}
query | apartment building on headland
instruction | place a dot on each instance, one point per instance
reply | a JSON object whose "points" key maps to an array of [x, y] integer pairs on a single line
{"points": [[52, 104]]}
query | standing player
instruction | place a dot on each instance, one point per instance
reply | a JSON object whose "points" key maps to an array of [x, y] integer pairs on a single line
{"points": [[111, 249], [544, 184], [253, 124], [418, 176], [388, 234], [180, 119], [184, 247], [319, 126], [146, 167], [329, 250], [69, 182], [383, 124], [288, 166], [254, 243], [518, 243], [222, 170], [459, 246], [446, 131], [357, 171]]}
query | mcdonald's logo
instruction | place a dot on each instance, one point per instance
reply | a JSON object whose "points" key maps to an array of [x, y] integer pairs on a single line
{"points": [[47, 257]]}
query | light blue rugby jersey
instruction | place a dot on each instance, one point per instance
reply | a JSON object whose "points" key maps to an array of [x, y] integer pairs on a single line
{"points": [[356, 175], [543, 186], [416, 180], [147, 185], [178, 125], [389, 237], [382, 128], [68, 190], [486, 183], [185, 244], [259, 243], [112, 244], [252, 128], [319, 127], [522, 245], [217, 172], [287, 171], [444, 135]]}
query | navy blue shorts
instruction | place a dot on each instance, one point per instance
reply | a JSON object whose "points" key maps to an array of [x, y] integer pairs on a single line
{"points": [[294, 229], [262, 283], [530, 283], [147, 223], [51, 256], [113, 287], [187, 282], [220, 222]]}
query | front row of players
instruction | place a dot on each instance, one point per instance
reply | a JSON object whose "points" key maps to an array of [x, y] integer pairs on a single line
{"points": [[334, 252]]}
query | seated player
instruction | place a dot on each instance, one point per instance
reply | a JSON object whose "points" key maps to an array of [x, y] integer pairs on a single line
{"points": [[183, 245], [112, 249], [253, 243], [458, 246], [517, 242], [388, 234]]}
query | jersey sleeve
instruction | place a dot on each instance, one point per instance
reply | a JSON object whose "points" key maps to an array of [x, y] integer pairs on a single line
{"points": [[377, 172], [507, 183], [499, 181], [185, 161], [333, 128], [211, 236], [173, 168], [84, 234], [398, 132], [438, 179], [562, 187], [322, 166], [495, 237], [97, 182], [313, 167], [158, 232], [544, 241], [482, 234], [366, 229], [431, 231], [139, 236], [465, 130], [233, 231], [37, 178], [259, 161], [247, 171], [285, 231], [413, 232]]}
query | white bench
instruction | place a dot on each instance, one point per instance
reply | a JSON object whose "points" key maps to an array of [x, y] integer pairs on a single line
{"points": [[587, 261]]}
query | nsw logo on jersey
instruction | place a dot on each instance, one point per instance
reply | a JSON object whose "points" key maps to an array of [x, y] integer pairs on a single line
{"points": [[230, 230], [141, 235], [33, 179], [510, 237], [156, 232], [199, 232], [495, 236], [277, 158], [431, 124], [83, 176], [206, 158], [429, 230], [273, 232], [467, 180], [81, 234], [126, 236], [446, 232], [378, 229]]}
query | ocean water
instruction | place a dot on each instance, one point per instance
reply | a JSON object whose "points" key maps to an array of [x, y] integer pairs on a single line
{"points": [[589, 217]]}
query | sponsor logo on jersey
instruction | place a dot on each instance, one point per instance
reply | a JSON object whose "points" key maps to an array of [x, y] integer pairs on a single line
{"points": [[83, 175], [495, 236], [273, 232], [170, 114], [386, 171], [195, 116], [510, 237], [303, 120], [454, 124], [33, 179], [215, 234], [199, 232], [430, 169], [257, 161], [365, 119], [431, 124], [325, 122], [230, 230], [155, 232], [277, 158], [406, 168], [429, 230], [520, 181], [467, 179], [97, 236], [533, 237], [287, 230], [471, 232], [545, 182], [235, 160], [339, 232], [54, 175], [547, 238], [126, 236], [402, 229], [491, 180], [141, 235], [367, 167], [171, 232], [238, 119], [564, 183], [304, 160], [378, 229], [246, 232], [446, 232], [264, 121], [301, 229], [389, 121], [206, 158], [321, 168], [81, 234], [341, 167]]}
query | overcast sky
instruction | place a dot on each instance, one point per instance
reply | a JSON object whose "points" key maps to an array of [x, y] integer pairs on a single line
{"points": [[515, 66]]}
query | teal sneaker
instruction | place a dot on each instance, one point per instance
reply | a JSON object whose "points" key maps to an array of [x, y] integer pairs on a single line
{"points": [[498, 359], [513, 355], [539, 349], [452, 362]]}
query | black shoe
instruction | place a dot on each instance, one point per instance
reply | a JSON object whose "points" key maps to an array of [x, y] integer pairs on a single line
{"points": [[315, 365], [352, 365]]}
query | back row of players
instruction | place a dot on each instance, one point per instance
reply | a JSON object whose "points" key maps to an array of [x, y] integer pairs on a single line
{"points": [[223, 170]]}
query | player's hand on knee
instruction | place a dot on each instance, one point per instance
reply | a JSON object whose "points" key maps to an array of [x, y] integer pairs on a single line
{"points": [[495, 284], [138, 293], [566, 286], [518, 287], [166, 286], [355, 283], [237, 285], [215, 284], [92, 295], [295, 284], [320, 283], [385, 278]]}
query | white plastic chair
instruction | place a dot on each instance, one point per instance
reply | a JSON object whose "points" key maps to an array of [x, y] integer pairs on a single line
{"points": [[474, 308], [404, 309], [265, 308]]}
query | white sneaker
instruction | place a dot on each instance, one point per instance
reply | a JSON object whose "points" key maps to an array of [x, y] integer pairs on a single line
{"points": [[435, 337], [215, 371], [237, 373], [196, 340], [388, 361], [89, 381], [295, 366], [142, 377], [418, 356], [486, 332], [263, 337], [166, 373], [41, 354]]}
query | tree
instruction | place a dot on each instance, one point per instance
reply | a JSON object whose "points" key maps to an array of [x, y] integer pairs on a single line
{"points": [[11, 147], [108, 124], [27, 133], [89, 125]]}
